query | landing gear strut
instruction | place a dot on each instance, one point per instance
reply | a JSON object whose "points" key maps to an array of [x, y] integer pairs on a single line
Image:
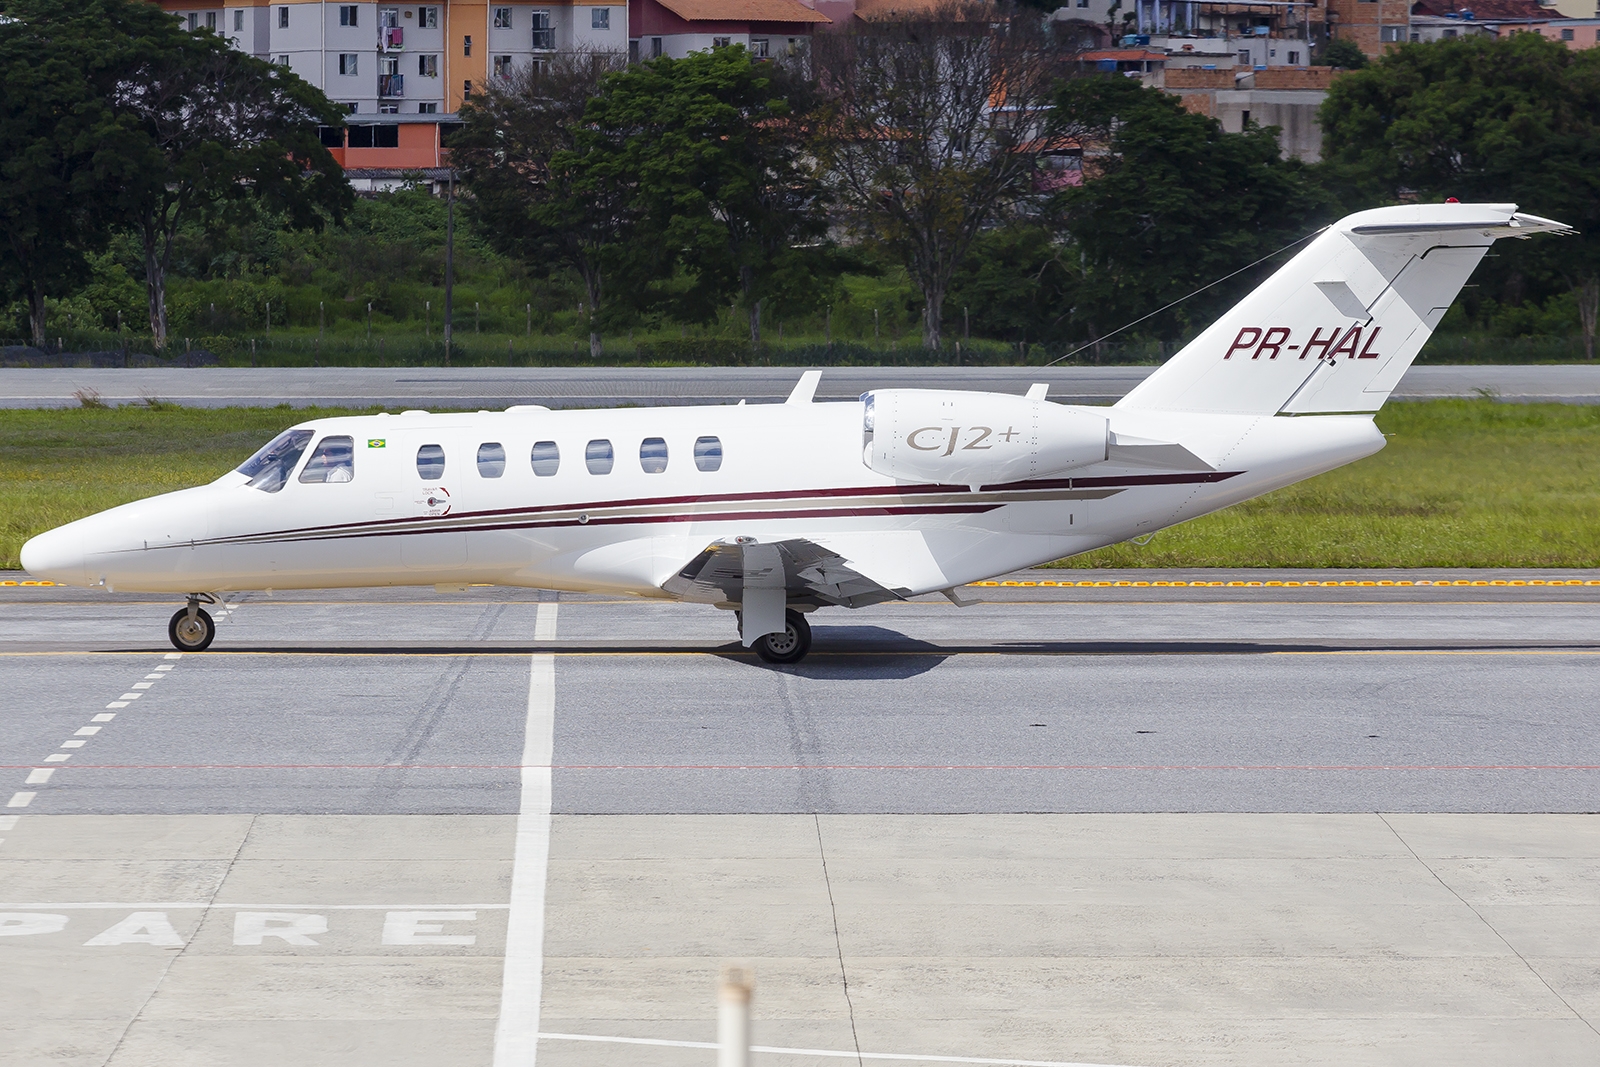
{"points": [[192, 628], [788, 645]]}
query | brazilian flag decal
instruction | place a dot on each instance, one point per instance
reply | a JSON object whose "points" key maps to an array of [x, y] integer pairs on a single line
{"points": [[374, 442]]}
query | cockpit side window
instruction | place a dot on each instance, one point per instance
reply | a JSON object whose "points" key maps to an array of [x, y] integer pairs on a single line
{"points": [[333, 461], [430, 463], [269, 468], [491, 459]]}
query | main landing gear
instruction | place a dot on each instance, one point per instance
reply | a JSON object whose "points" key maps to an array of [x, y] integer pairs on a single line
{"points": [[192, 629], [788, 645]]}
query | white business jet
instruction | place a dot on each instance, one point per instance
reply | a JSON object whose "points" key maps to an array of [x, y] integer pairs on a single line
{"points": [[774, 511]]}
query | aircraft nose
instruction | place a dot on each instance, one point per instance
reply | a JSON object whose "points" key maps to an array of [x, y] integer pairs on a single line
{"points": [[57, 555]]}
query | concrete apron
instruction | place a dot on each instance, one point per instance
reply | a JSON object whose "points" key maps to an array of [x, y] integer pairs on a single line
{"points": [[223, 940]]}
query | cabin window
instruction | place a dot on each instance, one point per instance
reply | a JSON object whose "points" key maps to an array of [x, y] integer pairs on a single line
{"points": [[430, 463], [333, 461], [269, 468], [653, 455], [597, 455], [491, 459], [708, 453], [546, 458]]}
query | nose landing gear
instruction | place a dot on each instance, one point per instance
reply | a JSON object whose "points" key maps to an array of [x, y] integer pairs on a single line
{"points": [[192, 629]]}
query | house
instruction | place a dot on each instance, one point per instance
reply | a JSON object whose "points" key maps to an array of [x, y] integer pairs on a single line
{"points": [[675, 28]]}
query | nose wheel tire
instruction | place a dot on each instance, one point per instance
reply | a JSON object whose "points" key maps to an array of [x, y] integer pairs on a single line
{"points": [[788, 645], [192, 634]]}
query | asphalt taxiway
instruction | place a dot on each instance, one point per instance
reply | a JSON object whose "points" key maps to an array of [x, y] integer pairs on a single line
{"points": [[499, 387], [1111, 824]]}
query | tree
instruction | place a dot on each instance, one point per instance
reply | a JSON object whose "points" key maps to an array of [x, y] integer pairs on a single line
{"points": [[547, 216], [934, 117], [1170, 204], [214, 124], [1476, 118], [714, 149], [61, 147], [1342, 52]]}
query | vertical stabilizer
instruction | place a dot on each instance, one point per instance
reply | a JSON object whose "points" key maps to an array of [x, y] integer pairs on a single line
{"points": [[1334, 329]]}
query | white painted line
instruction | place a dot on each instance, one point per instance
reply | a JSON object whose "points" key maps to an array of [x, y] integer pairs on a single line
{"points": [[206, 905], [130, 696], [20, 800], [73, 744], [104, 717], [173, 655], [58, 757], [39, 775], [87, 731], [117, 704], [9, 822], [153, 678], [516, 1035], [164, 666], [841, 1054], [142, 685]]}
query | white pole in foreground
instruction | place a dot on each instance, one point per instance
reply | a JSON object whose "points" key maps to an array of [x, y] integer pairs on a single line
{"points": [[733, 1016]]}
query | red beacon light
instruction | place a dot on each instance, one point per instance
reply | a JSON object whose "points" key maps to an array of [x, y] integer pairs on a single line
{"points": [[1451, 200]]}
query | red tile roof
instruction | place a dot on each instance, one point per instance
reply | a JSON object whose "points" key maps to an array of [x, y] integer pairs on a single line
{"points": [[743, 11], [1487, 10]]}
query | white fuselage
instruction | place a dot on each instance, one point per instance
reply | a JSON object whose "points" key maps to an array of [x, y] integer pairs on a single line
{"points": [[786, 471]]}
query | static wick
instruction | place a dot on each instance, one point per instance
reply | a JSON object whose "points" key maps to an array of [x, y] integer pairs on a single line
{"points": [[733, 1015]]}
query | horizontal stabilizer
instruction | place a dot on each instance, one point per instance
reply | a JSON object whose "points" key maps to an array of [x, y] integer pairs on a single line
{"points": [[1126, 451]]}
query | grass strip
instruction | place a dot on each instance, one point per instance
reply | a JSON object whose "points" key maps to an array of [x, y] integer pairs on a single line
{"points": [[1462, 483]]}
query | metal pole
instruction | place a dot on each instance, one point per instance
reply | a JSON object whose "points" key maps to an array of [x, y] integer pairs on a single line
{"points": [[733, 1016], [449, 262]]}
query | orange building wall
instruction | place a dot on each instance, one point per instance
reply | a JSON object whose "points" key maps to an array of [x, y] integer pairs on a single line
{"points": [[463, 21]]}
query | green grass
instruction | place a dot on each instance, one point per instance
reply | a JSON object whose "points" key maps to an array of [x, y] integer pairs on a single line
{"points": [[1462, 483]]}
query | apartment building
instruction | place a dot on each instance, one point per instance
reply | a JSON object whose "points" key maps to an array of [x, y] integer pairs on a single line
{"points": [[403, 69]]}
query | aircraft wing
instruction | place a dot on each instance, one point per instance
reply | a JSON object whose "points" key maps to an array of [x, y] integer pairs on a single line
{"points": [[804, 569]]}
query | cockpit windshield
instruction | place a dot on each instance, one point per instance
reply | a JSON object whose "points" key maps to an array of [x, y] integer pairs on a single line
{"points": [[270, 468]]}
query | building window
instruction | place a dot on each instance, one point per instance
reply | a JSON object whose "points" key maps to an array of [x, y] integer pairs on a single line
{"points": [[372, 136], [633, 51], [427, 18], [238, 20], [351, 107], [466, 45], [348, 62], [1567, 35], [389, 109], [1244, 58], [211, 21], [544, 34], [389, 18], [428, 66], [331, 136], [720, 42], [1394, 33], [1294, 59], [502, 66], [758, 47], [427, 109], [282, 61], [194, 21], [283, 18], [600, 18], [347, 14], [388, 65], [466, 87], [502, 18], [655, 48]]}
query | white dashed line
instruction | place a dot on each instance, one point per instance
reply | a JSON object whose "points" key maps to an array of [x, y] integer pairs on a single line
{"points": [[104, 717], [39, 776], [153, 677], [73, 744], [58, 757], [87, 731], [20, 800], [130, 696], [163, 667], [142, 685], [827, 1053], [117, 704], [173, 655]]}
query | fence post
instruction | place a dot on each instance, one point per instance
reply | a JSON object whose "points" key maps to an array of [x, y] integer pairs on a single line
{"points": [[733, 1016]]}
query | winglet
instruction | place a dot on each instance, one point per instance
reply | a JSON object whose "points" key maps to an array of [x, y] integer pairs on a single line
{"points": [[1037, 390], [805, 388]]}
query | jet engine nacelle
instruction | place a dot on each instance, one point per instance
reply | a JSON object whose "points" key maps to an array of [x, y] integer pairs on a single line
{"points": [[973, 439]]}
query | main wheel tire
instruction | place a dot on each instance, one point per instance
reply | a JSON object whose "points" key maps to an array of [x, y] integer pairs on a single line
{"points": [[790, 645], [192, 635]]}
